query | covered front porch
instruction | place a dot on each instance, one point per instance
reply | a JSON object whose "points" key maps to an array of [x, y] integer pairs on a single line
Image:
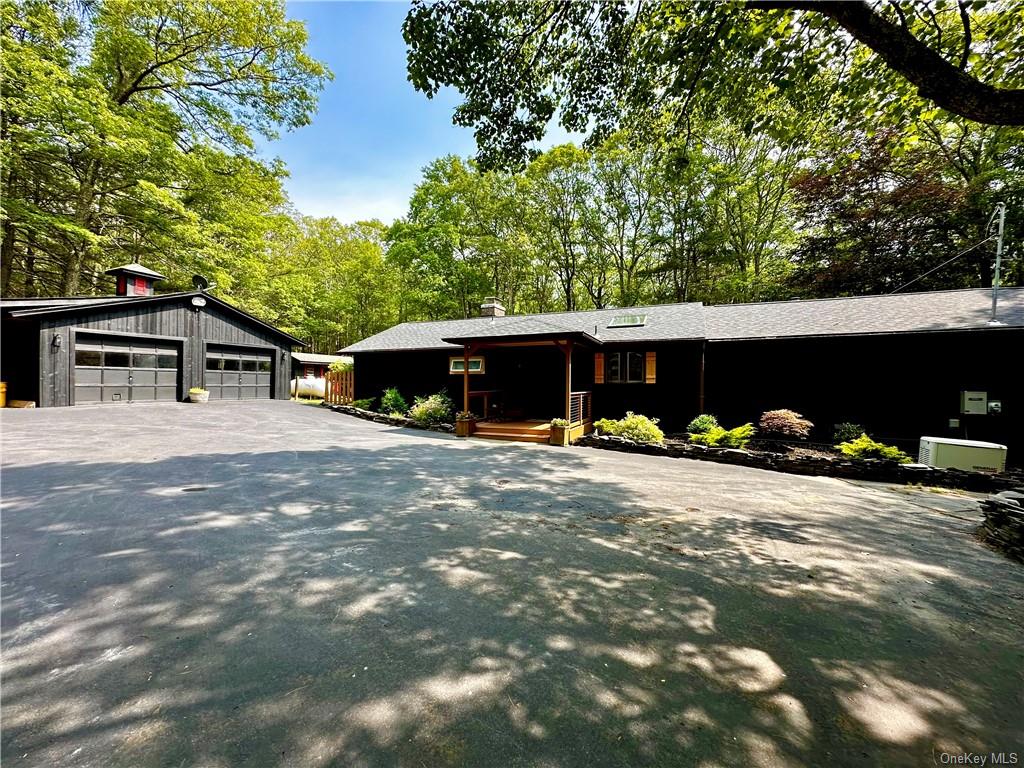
{"points": [[516, 383]]}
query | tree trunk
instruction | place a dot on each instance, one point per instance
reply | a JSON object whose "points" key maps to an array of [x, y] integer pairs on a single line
{"points": [[84, 218]]}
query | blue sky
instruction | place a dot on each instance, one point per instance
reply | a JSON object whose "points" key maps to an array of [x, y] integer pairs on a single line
{"points": [[373, 133]]}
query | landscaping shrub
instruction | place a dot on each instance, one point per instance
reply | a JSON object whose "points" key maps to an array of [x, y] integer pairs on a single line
{"points": [[564, 422], [392, 401], [843, 433], [717, 437], [366, 403], [784, 423], [341, 365], [634, 427], [702, 424], [435, 409], [864, 447]]}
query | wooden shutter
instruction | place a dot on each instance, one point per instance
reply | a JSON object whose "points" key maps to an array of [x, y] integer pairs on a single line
{"points": [[599, 367], [650, 368]]}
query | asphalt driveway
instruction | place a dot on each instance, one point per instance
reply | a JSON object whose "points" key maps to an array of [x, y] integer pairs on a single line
{"points": [[275, 584]]}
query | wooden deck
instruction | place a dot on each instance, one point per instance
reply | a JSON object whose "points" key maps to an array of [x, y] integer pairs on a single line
{"points": [[530, 431]]}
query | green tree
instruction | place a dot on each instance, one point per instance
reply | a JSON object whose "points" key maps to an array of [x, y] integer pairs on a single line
{"points": [[599, 66], [118, 114]]}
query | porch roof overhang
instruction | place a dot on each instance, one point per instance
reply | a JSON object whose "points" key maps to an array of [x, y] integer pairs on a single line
{"points": [[524, 339]]}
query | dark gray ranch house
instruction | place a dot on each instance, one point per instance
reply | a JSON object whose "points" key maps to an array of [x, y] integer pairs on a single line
{"points": [[139, 346], [896, 364]]}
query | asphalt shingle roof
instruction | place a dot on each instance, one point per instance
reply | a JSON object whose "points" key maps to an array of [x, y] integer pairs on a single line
{"points": [[665, 321], [897, 313]]}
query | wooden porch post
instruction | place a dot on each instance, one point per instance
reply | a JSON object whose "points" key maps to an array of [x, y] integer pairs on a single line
{"points": [[465, 377], [568, 380]]}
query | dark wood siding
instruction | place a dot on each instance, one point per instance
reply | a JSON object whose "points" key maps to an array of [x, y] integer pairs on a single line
{"points": [[532, 379], [178, 322], [898, 387], [673, 396]]}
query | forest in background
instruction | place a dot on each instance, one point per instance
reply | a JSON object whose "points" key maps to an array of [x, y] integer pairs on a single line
{"points": [[128, 134]]}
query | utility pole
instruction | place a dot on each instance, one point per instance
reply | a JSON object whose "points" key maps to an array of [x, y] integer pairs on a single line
{"points": [[1000, 211]]}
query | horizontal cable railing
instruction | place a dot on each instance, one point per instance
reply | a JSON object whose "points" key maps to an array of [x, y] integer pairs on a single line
{"points": [[580, 407]]}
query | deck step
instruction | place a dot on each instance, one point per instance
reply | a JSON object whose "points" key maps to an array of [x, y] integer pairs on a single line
{"points": [[522, 437]]}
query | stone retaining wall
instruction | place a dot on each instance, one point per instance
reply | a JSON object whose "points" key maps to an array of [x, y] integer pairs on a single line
{"points": [[871, 469], [395, 421], [1003, 525]]}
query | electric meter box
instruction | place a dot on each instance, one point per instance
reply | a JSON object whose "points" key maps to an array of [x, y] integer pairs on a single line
{"points": [[971, 455], [974, 402]]}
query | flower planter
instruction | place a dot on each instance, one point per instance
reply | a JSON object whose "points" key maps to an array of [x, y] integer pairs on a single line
{"points": [[559, 435], [198, 397], [465, 427]]}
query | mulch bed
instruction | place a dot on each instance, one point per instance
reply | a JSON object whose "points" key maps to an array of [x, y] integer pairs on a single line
{"points": [[395, 421]]}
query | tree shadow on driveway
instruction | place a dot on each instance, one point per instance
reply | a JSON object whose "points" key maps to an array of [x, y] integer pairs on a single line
{"points": [[440, 602]]}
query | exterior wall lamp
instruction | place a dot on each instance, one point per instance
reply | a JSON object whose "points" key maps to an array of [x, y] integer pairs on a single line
{"points": [[57, 341]]}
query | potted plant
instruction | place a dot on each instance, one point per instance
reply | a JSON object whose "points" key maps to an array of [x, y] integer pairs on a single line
{"points": [[465, 423], [198, 395], [559, 432]]}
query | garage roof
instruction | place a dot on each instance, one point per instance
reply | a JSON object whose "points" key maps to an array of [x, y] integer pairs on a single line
{"points": [[80, 305]]}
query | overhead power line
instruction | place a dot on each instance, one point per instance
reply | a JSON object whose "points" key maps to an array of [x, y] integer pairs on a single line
{"points": [[940, 266]]}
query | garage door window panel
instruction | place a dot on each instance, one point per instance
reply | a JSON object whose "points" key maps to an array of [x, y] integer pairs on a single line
{"points": [[116, 359], [88, 357]]}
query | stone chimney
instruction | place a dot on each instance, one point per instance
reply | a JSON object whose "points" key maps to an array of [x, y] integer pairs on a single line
{"points": [[492, 307]]}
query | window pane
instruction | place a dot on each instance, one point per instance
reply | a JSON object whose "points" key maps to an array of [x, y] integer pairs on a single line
{"points": [[264, 366], [476, 364], [143, 361], [214, 364], [169, 361], [248, 365], [614, 372], [231, 364], [457, 366], [87, 357], [116, 359], [636, 366]]}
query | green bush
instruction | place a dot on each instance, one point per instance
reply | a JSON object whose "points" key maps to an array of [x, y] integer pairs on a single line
{"points": [[864, 447], [784, 423], [366, 403], [435, 409], [392, 401], [634, 427], [702, 424], [562, 422], [717, 437], [843, 433], [341, 365]]}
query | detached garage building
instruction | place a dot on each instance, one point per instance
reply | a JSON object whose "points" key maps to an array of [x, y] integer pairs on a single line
{"points": [[139, 346]]}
